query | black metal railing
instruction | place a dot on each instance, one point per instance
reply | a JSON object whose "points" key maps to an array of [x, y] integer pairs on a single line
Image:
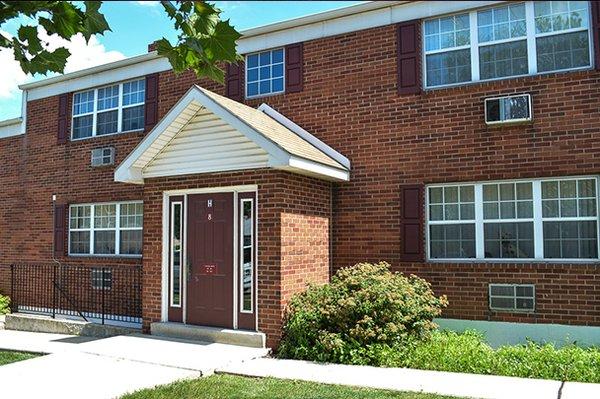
{"points": [[94, 293]]}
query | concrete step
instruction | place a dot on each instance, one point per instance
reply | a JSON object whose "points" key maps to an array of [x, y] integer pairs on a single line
{"points": [[46, 324], [251, 339], [2, 318]]}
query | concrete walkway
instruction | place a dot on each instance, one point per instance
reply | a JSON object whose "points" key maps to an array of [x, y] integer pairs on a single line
{"points": [[443, 383], [79, 367]]}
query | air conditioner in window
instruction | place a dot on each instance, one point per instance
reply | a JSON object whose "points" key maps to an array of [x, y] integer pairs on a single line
{"points": [[508, 109], [103, 156]]}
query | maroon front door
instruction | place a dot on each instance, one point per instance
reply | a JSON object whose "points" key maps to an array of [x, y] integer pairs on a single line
{"points": [[210, 260]]}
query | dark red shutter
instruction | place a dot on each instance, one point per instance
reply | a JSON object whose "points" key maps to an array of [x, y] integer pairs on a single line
{"points": [[60, 223], [151, 105], [596, 31], [233, 81], [294, 67], [409, 57], [63, 115], [411, 223]]}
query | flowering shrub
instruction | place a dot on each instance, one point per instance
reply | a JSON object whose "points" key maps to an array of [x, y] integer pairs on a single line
{"points": [[364, 312]]}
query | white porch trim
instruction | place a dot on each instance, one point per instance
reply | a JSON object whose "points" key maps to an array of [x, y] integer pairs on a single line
{"points": [[165, 267], [288, 146]]}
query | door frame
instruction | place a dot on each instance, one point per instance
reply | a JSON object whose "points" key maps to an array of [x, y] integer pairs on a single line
{"points": [[165, 286]]}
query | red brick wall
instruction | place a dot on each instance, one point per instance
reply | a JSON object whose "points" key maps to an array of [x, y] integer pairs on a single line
{"points": [[293, 229], [350, 101], [37, 168]]}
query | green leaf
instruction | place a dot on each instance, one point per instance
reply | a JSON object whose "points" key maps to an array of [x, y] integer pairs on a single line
{"points": [[67, 19], [94, 22], [204, 24], [4, 41], [54, 61], [222, 44], [185, 6], [211, 71], [30, 34], [204, 8], [47, 25], [170, 9]]}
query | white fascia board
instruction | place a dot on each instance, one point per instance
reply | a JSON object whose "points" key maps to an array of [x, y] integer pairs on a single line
{"points": [[317, 26], [305, 135], [318, 17], [277, 35], [97, 76], [129, 175], [11, 127], [319, 169], [24, 98]]}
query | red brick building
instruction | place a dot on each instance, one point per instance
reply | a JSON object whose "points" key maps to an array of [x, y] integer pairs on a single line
{"points": [[456, 140]]}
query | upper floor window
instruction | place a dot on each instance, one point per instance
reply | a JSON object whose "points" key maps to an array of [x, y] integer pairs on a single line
{"points": [[108, 110], [265, 73], [106, 229], [510, 40], [535, 219]]}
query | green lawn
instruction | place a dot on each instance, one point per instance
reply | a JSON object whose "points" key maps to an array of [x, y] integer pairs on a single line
{"points": [[234, 387], [11, 357]]}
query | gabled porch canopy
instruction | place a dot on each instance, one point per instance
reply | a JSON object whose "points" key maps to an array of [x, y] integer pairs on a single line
{"points": [[205, 132]]}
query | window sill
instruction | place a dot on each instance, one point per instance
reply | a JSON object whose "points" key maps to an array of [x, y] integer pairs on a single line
{"points": [[516, 261], [279, 93], [504, 79], [107, 135], [108, 256], [514, 311]]}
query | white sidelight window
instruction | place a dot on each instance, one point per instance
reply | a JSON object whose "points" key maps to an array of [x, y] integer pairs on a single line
{"points": [[513, 39], [176, 258], [538, 219], [106, 229], [265, 73], [108, 110], [246, 255]]}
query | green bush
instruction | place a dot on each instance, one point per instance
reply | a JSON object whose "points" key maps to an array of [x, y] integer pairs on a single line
{"points": [[360, 316], [468, 353], [4, 304]]}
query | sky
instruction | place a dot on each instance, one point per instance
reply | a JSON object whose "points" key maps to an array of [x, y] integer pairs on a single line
{"points": [[134, 24]]}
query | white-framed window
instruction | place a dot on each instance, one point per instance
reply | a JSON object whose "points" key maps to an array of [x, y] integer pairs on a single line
{"points": [[513, 39], [176, 252], [106, 229], [265, 73], [247, 255], [512, 297], [539, 219], [101, 278], [108, 110], [447, 50]]}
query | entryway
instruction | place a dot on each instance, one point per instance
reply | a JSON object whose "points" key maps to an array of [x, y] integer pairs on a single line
{"points": [[210, 265]]}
